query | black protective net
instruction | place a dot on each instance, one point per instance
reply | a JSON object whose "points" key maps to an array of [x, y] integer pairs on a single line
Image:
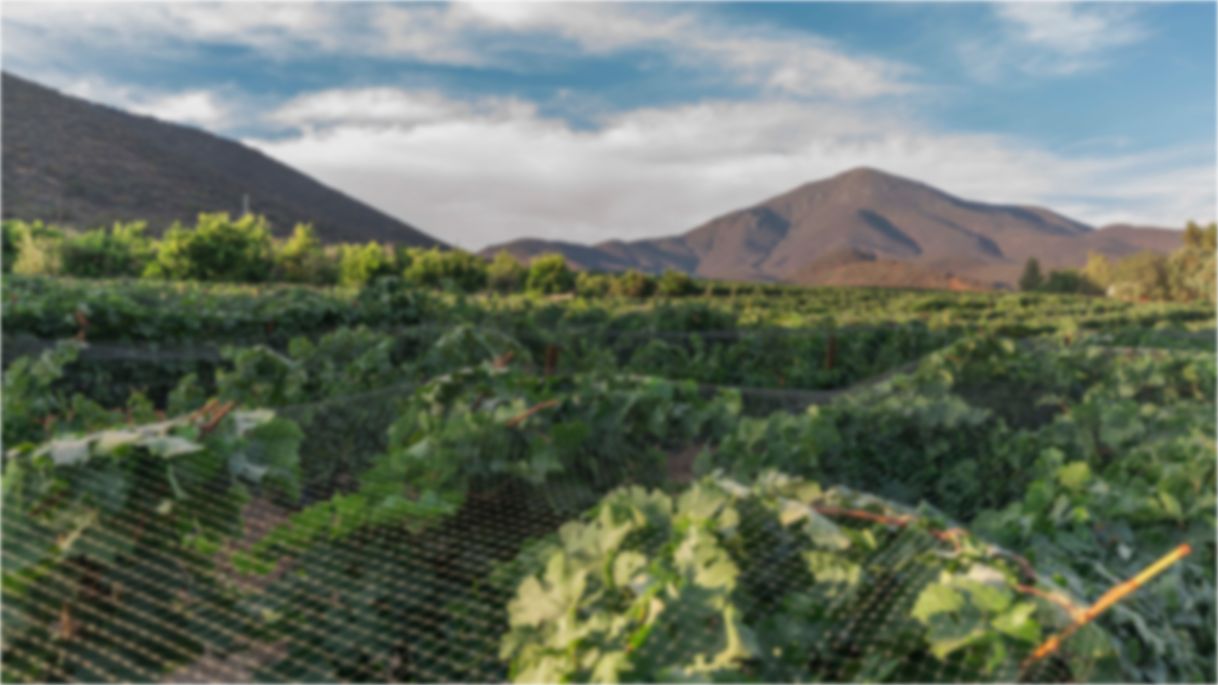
{"points": [[472, 505]]}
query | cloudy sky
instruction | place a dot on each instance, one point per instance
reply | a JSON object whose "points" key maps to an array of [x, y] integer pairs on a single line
{"points": [[480, 123]]}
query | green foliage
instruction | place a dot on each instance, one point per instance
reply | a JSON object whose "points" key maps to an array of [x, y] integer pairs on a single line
{"points": [[504, 274], [1031, 279], [122, 250], [36, 248], [1070, 281], [11, 232], [632, 283], [447, 269], [216, 249], [727, 582], [99, 525], [548, 274], [676, 284], [303, 259], [361, 264], [592, 285]]}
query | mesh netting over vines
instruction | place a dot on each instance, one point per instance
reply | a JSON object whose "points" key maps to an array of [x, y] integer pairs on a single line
{"points": [[477, 505]]}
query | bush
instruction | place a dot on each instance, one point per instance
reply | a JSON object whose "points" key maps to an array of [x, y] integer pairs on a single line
{"points": [[217, 249], [1031, 279], [303, 259], [448, 269], [548, 274], [360, 264], [123, 250], [36, 248], [633, 284], [505, 274], [591, 285], [1070, 281], [676, 284], [12, 231]]}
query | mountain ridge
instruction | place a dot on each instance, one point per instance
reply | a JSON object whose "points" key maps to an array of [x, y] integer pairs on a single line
{"points": [[84, 164], [866, 219]]}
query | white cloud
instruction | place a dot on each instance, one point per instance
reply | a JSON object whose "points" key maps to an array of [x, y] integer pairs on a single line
{"points": [[390, 106], [782, 61], [481, 34], [1052, 38], [482, 174], [1072, 29]]}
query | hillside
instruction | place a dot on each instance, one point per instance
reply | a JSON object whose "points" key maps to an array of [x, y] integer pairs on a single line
{"points": [[82, 164], [867, 227]]}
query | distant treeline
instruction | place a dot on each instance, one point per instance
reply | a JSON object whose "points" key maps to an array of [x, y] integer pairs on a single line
{"points": [[1186, 275], [242, 250]]}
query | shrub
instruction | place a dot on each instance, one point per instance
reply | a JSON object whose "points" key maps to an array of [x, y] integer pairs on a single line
{"points": [[360, 264], [591, 285], [549, 274], [676, 284], [122, 250], [303, 259], [633, 284], [448, 269], [36, 248], [12, 231], [505, 274], [217, 249], [1070, 281]]}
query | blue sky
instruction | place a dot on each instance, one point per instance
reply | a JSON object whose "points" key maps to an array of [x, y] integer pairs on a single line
{"points": [[485, 122]]}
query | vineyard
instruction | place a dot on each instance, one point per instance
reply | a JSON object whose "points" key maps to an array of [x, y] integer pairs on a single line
{"points": [[208, 482]]}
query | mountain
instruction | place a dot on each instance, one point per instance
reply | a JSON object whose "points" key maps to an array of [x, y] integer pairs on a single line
{"points": [[78, 163], [866, 227]]}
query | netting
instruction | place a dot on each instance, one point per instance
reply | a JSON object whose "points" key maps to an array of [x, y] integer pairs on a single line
{"points": [[471, 504]]}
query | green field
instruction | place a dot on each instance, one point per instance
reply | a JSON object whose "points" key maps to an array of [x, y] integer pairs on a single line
{"points": [[392, 483]]}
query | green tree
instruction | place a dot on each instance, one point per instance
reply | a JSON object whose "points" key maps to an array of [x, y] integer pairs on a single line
{"points": [[1141, 276], [1031, 279], [447, 269], [549, 274], [12, 231], [633, 283], [359, 264], [303, 259], [591, 285], [121, 250], [1098, 270], [505, 274], [38, 248], [1070, 281], [216, 249], [676, 284]]}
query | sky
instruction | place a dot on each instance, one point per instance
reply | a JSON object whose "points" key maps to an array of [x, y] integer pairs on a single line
{"points": [[484, 122]]}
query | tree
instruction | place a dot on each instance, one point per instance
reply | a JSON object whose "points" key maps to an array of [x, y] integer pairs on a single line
{"points": [[633, 283], [303, 259], [1141, 276], [1031, 279], [448, 269], [13, 231], [36, 248], [1098, 270], [591, 285], [676, 284], [121, 250], [504, 273], [216, 249], [359, 264], [1070, 281], [549, 274]]}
